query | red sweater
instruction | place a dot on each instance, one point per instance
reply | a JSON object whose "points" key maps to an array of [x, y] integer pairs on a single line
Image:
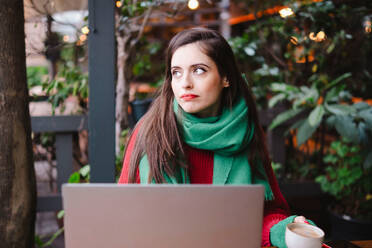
{"points": [[201, 172]]}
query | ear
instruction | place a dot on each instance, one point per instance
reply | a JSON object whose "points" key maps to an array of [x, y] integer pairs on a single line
{"points": [[225, 83]]}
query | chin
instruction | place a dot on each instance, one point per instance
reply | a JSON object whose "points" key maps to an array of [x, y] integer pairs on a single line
{"points": [[190, 110]]}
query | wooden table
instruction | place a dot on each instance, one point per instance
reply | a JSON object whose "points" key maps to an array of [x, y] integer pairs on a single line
{"points": [[361, 243]]}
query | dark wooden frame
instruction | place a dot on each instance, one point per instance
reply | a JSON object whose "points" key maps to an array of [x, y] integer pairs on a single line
{"points": [[102, 73], [63, 127]]}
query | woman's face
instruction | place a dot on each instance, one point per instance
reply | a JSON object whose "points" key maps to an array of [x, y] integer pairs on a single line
{"points": [[196, 82]]}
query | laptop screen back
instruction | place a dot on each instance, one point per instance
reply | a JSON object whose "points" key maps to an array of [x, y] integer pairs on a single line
{"points": [[111, 215]]}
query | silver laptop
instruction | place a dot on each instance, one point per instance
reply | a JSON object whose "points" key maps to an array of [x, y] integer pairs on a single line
{"points": [[162, 216]]}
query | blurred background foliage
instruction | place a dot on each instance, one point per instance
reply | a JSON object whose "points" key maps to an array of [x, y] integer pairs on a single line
{"points": [[319, 42], [311, 61]]}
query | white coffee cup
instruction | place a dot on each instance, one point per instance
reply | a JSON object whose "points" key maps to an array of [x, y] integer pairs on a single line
{"points": [[303, 235]]}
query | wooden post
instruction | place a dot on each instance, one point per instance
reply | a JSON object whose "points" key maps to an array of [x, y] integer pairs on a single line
{"points": [[102, 90]]}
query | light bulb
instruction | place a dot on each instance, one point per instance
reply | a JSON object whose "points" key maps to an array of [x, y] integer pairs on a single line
{"points": [[193, 4], [286, 12]]}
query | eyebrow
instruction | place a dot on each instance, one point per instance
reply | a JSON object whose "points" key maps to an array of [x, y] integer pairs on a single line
{"points": [[194, 65]]}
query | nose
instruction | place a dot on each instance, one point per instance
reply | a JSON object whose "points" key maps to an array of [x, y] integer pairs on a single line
{"points": [[186, 81]]}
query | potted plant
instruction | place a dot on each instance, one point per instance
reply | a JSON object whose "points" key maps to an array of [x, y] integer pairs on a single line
{"points": [[345, 168], [147, 76], [349, 184]]}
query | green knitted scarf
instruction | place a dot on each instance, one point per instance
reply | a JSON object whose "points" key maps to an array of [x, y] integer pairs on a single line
{"points": [[227, 136]]}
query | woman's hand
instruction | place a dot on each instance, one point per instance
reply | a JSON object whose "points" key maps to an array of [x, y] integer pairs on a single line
{"points": [[300, 219]]}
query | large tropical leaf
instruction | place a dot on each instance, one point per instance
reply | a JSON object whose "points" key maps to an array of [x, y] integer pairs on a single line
{"points": [[363, 136], [361, 105], [331, 121], [366, 115], [333, 94], [339, 109], [282, 117], [305, 131], [312, 95], [283, 87], [274, 100], [295, 125], [346, 127], [316, 116], [300, 100]]}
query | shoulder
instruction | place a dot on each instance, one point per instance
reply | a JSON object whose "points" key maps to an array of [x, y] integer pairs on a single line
{"points": [[134, 134], [124, 177]]}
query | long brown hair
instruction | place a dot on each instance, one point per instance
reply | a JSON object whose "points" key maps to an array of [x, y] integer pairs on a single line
{"points": [[158, 136]]}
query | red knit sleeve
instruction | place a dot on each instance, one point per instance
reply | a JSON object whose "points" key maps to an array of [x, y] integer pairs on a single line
{"points": [[272, 216], [124, 176], [275, 210]]}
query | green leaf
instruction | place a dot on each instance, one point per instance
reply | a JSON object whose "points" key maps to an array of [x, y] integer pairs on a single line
{"points": [[75, 89], [274, 100], [331, 121], [305, 131], [339, 109], [50, 86], [331, 47], [54, 236], [61, 214], [316, 115], [282, 117], [320, 179], [330, 158], [363, 136], [354, 160], [74, 178], [361, 105], [305, 89], [301, 100], [353, 175], [282, 87], [295, 125], [331, 94], [337, 80], [366, 115], [347, 128], [342, 151], [38, 241], [336, 145], [85, 170], [312, 96]]}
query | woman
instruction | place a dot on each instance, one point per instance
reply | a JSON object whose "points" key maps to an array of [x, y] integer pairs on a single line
{"points": [[203, 128]]}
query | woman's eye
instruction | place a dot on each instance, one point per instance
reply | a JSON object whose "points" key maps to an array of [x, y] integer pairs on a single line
{"points": [[176, 73], [199, 71]]}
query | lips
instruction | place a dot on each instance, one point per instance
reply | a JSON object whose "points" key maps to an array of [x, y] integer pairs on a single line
{"points": [[188, 97]]}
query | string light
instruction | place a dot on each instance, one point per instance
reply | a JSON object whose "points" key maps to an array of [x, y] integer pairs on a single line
{"points": [[83, 37], [286, 12], [66, 38], [193, 4], [85, 30], [294, 40], [367, 26], [319, 37], [118, 4]]}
